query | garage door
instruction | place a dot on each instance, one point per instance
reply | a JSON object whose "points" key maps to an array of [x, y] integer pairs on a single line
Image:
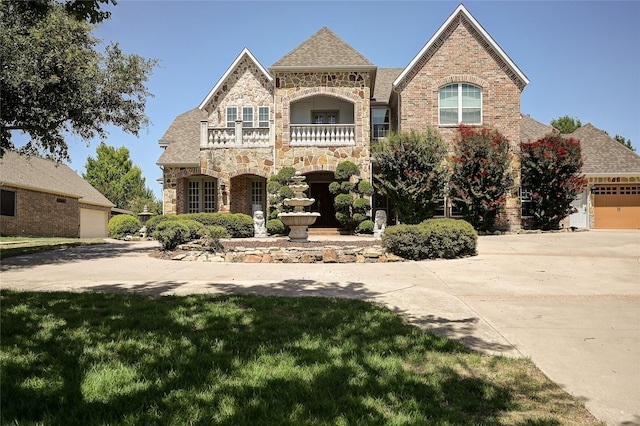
{"points": [[93, 223], [617, 206]]}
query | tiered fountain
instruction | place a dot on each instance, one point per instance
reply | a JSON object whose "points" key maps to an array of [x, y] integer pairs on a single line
{"points": [[298, 220]]}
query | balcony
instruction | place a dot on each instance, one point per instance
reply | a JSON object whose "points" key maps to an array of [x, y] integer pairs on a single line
{"points": [[322, 134], [234, 137]]}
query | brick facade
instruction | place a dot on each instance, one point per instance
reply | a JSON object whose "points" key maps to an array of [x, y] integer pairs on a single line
{"points": [[42, 214]]}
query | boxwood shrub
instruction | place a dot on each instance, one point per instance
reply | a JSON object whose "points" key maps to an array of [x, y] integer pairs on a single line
{"points": [[171, 233], [275, 227], [122, 225], [431, 239], [238, 225]]}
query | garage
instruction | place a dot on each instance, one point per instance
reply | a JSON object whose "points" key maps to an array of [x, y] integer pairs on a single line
{"points": [[616, 206], [93, 223]]}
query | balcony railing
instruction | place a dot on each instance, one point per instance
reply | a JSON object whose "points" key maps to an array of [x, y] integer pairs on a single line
{"points": [[230, 137], [323, 134]]}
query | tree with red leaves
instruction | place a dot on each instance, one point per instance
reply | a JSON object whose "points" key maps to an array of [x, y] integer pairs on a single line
{"points": [[552, 171], [481, 175]]}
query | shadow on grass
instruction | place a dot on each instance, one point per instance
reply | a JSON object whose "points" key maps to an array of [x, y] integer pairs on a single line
{"points": [[239, 359], [76, 254]]}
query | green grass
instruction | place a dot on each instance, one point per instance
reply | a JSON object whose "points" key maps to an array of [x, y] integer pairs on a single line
{"points": [[26, 245], [91, 359]]}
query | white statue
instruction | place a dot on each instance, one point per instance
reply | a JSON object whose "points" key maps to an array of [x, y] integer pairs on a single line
{"points": [[259, 228], [380, 223]]}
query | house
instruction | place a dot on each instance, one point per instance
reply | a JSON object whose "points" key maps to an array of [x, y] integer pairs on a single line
{"points": [[323, 103], [43, 198], [612, 196], [611, 199]]}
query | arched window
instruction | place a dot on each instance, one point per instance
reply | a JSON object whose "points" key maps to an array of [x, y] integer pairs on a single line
{"points": [[460, 103]]}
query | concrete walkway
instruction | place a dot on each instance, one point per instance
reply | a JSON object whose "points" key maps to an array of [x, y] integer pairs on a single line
{"points": [[570, 301]]}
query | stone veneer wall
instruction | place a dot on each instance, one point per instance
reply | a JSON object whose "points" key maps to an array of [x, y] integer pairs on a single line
{"points": [[461, 55], [351, 86], [41, 214]]}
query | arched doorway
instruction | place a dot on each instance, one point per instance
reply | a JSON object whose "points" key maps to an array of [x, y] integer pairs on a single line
{"points": [[319, 190]]}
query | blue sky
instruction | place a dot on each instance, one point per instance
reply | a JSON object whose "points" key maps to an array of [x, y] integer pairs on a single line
{"points": [[582, 58]]}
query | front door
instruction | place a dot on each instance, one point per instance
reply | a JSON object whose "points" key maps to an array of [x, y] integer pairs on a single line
{"points": [[323, 205]]}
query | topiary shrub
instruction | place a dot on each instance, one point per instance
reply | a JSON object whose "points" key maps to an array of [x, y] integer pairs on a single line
{"points": [[365, 227], [351, 202], [431, 239], [275, 227], [122, 225], [171, 233]]}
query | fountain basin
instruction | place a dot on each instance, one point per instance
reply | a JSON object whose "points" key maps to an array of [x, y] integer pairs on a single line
{"points": [[298, 223]]}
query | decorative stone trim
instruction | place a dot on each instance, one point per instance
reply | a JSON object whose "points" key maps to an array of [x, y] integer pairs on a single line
{"points": [[327, 254], [460, 78]]}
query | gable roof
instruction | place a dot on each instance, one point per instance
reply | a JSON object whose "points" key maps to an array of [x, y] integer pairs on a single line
{"points": [[36, 173], [604, 155], [452, 22], [323, 49], [183, 139], [245, 52], [531, 130]]}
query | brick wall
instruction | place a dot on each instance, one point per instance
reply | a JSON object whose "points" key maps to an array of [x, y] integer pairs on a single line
{"points": [[42, 215]]}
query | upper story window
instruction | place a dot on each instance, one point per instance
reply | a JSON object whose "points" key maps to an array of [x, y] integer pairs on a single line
{"points": [[380, 122], [263, 116], [247, 116], [460, 103], [232, 116]]}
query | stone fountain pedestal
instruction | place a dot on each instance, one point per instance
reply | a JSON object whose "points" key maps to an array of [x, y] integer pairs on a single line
{"points": [[298, 220]]}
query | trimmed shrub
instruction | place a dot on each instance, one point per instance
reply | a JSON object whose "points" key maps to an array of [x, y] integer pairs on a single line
{"points": [[122, 225], [275, 226], [431, 239], [213, 233], [196, 229], [171, 233], [154, 221], [365, 227]]}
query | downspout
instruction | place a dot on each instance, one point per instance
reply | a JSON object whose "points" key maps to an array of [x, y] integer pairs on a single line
{"points": [[273, 128]]}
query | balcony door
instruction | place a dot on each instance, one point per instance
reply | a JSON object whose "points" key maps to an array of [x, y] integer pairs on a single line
{"points": [[324, 117]]}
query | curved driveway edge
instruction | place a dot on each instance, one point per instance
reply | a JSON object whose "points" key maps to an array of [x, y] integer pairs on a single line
{"points": [[570, 301]]}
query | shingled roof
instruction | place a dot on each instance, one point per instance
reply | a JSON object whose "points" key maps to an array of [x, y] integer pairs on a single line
{"points": [[36, 173], [604, 155], [531, 130], [183, 139], [384, 83], [321, 50]]}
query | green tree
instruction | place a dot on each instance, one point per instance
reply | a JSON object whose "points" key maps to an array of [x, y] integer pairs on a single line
{"points": [[552, 171], [625, 142], [351, 195], [137, 203], [480, 176], [412, 173], [113, 174], [566, 124], [57, 78]]}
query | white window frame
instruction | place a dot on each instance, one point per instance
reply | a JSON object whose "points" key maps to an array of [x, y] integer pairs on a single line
{"points": [[231, 122], [256, 195], [201, 195], [247, 116], [460, 106], [381, 133], [262, 121]]}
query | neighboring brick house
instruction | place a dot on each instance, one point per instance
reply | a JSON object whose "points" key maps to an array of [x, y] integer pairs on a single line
{"points": [[323, 103], [42, 198]]}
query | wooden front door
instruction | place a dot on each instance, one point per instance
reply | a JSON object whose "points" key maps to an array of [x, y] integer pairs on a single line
{"points": [[323, 205]]}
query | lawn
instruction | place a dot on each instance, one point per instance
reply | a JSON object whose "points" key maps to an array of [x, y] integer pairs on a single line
{"points": [[17, 246], [87, 358]]}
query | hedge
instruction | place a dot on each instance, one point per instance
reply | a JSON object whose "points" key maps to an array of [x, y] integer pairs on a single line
{"points": [[171, 233], [238, 225], [122, 225], [431, 239]]}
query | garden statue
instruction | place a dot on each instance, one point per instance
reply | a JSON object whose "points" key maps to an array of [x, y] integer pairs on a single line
{"points": [[259, 228], [380, 223]]}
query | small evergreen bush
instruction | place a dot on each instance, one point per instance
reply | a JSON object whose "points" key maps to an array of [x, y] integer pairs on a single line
{"points": [[153, 222], [365, 227], [213, 234], [431, 239], [171, 233], [122, 225], [196, 229], [275, 227]]}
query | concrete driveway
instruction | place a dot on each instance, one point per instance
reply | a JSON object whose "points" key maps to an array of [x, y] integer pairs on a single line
{"points": [[570, 301]]}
